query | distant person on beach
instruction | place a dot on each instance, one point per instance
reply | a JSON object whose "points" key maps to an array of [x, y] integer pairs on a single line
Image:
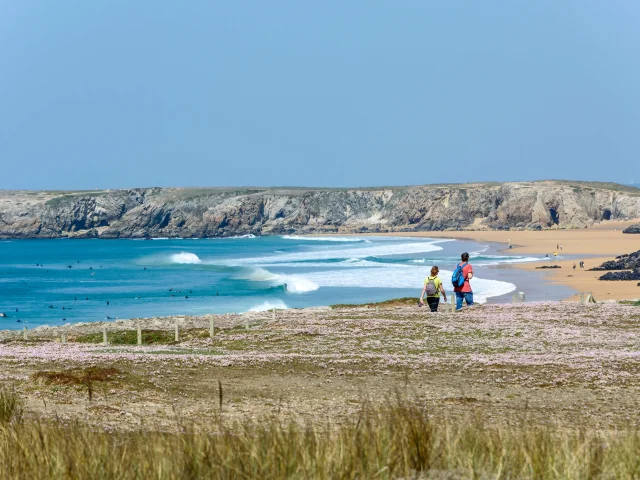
{"points": [[433, 288], [461, 282], [574, 265]]}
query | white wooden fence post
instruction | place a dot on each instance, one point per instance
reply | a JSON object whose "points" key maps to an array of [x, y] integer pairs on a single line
{"points": [[177, 337], [24, 334], [104, 336], [63, 339], [273, 315], [139, 332], [212, 330]]}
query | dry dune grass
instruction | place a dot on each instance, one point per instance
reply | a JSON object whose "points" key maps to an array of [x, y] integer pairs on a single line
{"points": [[397, 440]]}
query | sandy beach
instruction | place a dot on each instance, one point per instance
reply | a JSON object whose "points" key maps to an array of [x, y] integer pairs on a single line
{"points": [[604, 240]]}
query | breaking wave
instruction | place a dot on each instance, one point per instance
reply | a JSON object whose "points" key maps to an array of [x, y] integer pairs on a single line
{"points": [[326, 239], [185, 258], [248, 235], [375, 250], [294, 283], [405, 277], [269, 305], [486, 260]]}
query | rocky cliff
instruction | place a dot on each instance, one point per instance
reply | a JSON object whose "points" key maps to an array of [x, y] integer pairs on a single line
{"points": [[218, 212]]}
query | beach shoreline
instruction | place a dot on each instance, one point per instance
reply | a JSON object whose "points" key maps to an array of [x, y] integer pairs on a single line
{"points": [[596, 245]]}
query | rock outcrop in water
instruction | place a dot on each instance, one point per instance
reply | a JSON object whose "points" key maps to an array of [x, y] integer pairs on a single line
{"points": [[220, 212]]}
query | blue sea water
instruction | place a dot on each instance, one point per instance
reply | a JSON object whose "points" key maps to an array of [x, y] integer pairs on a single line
{"points": [[64, 281]]}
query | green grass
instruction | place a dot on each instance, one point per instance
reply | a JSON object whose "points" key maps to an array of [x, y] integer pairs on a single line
{"points": [[395, 302], [130, 337], [72, 197], [398, 440], [632, 303]]}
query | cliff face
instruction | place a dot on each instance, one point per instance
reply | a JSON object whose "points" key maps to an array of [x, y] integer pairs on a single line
{"points": [[191, 212]]}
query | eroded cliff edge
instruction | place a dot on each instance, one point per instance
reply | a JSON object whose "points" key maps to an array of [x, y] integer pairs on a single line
{"points": [[220, 212]]}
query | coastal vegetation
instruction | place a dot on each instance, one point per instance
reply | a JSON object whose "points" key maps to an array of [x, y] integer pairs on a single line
{"points": [[394, 302], [531, 390], [399, 439]]}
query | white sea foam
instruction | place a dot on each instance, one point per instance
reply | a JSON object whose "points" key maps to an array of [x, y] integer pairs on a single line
{"points": [[497, 260], [185, 258], [480, 252], [298, 284], [295, 283], [419, 260], [248, 235], [379, 250], [269, 305], [325, 265], [325, 239], [402, 276]]}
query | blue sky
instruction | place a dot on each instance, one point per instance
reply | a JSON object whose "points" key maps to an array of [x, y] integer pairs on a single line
{"points": [[111, 94]]}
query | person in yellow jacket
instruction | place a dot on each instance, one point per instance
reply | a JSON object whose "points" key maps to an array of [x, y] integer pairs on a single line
{"points": [[433, 288]]}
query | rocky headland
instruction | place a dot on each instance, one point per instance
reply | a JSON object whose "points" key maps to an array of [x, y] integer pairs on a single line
{"points": [[223, 212]]}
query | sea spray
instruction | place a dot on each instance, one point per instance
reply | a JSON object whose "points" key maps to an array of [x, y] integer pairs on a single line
{"points": [[186, 258], [269, 305]]}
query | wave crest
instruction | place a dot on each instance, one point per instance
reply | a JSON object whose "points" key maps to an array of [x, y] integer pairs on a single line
{"points": [[325, 239], [269, 305], [294, 283], [185, 258]]}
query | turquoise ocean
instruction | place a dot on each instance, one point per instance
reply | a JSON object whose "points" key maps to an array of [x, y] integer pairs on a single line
{"points": [[63, 281]]}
